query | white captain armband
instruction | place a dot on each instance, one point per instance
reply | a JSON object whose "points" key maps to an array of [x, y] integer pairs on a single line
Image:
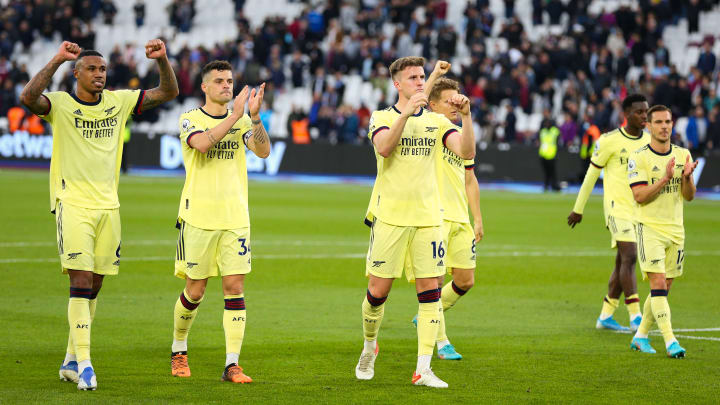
{"points": [[246, 136]]}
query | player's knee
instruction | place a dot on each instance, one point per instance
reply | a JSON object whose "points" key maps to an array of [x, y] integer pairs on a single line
{"points": [[97, 284], [195, 292], [233, 290], [378, 291], [80, 279], [465, 284], [464, 278]]}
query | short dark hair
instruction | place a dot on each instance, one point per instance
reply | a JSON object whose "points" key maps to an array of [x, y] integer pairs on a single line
{"points": [[219, 65], [87, 52], [657, 108], [409, 61], [631, 99], [441, 85]]}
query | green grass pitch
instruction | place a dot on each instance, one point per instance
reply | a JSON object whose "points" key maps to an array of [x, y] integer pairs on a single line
{"points": [[527, 329]]}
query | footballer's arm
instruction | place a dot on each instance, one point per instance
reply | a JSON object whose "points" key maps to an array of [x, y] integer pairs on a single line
{"points": [[31, 96], [168, 87], [473, 195], [593, 173], [644, 192], [462, 144], [688, 184], [205, 141], [259, 142], [441, 68], [386, 140]]}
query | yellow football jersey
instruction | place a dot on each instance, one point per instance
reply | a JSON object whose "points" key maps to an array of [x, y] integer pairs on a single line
{"points": [[87, 146], [452, 185], [664, 213], [406, 191], [611, 154], [215, 194]]}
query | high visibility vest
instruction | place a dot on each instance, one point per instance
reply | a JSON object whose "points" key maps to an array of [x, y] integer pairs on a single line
{"points": [[19, 120], [300, 131], [548, 142], [588, 141]]}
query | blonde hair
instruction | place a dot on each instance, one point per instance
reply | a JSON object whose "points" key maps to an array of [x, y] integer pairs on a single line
{"points": [[441, 85]]}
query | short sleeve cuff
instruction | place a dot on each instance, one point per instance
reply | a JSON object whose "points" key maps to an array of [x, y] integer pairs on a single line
{"points": [[49, 105], [372, 135], [138, 105], [187, 140], [595, 164], [448, 133], [638, 183]]}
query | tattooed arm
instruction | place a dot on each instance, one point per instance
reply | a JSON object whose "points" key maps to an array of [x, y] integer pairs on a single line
{"points": [[168, 87], [259, 142], [31, 96]]}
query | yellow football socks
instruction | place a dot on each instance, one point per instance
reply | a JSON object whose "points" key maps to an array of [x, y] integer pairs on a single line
{"points": [[609, 307], [428, 320], [647, 321], [71, 345], [79, 321], [633, 305], [451, 293], [373, 310], [661, 311], [185, 312], [234, 318]]}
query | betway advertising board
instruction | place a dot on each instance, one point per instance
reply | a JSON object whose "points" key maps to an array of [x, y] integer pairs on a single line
{"points": [[516, 163]]}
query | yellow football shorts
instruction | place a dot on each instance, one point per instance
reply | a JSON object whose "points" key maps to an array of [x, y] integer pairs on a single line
{"points": [[88, 239], [202, 253], [418, 250], [460, 241], [621, 230], [658, 253]]}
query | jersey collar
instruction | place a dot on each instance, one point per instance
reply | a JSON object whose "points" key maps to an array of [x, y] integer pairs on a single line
{"points": [[626, 135], [414, 115], [217, 117], [658, 153], [74, 96]]}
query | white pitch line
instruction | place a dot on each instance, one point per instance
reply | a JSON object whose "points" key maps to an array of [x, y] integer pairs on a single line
{"points": [[699, 337], [360, 255], [172, 242], [169, 258], [697, 330], [151, 242]]}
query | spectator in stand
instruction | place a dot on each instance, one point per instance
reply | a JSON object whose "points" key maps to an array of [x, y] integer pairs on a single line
{"points": [[713, 129], [706, 60], [139, 9], [109, 11], [510, 133], [696, 131], [568, 130]]}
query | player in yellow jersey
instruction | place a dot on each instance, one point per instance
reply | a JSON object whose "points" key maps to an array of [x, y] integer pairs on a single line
{"points": [[459, 188], [405, 211], [87, 131], [213, 219], [660, 176], [611, 155]]}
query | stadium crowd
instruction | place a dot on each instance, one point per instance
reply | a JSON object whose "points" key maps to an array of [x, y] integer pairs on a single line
{"points": [[593, 63]]}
